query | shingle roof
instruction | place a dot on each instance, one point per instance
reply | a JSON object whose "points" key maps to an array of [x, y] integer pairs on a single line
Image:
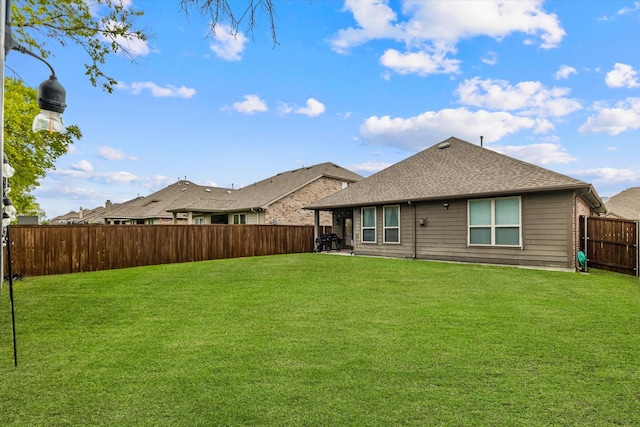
{"points": [[626, 204], [265, 192], [452, 168], [155, 205]]}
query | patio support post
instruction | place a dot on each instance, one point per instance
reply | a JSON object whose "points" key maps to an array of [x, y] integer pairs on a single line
{"points": [[316, 225]]}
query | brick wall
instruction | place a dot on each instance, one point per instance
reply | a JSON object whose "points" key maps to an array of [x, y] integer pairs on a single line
{"points": [[289, 210]]}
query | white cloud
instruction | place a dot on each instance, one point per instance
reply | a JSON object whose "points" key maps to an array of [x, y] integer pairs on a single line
{"points": [[564, 72], [623, 117], [622, 75], [369, 168], [109, 153], [250, 105], [422, 63], [82, 165], [491, 58], [107, 177], [284, 108], [610, 175], [432, 29], [447, 21], [129, 44], [529, 98], [415, 133], [314, 108], [70, 192], [621, 12], [541, 154], [227, 44], [375, 21], [156, 91]]}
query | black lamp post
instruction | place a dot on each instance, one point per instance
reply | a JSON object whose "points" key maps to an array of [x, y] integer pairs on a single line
{"points": [[51, 99]]}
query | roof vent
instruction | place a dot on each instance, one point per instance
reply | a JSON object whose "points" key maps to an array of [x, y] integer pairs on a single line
{"points": [[208, 190], [444, 145]]}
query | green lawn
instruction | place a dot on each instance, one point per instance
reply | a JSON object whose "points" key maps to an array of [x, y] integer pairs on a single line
{"points": [[319, 340]]}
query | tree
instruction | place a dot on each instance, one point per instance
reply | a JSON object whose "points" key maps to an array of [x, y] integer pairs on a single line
{"points": [[222, 10], [31, 154], [38, 25]]}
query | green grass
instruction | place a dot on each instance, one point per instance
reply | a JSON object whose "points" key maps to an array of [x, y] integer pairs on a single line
{"points": [[316, 340]]}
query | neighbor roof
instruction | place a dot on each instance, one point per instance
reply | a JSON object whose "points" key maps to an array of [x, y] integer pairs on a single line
{"points": [[156, 205], [626, 204], [263, 193], [453, 169]]}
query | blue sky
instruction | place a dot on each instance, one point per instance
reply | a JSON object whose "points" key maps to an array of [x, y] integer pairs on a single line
{"points": [[363, 84]]}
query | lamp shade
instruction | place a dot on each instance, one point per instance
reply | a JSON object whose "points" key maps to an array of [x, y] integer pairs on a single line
{"points": [[49, 121], [51, 99]]}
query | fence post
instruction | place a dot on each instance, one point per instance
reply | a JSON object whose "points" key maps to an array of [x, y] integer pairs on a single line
{"points": [[586, 244]]}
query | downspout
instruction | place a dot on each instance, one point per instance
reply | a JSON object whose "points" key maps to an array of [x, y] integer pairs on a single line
{"points": [[257, 212], [415, 231]]}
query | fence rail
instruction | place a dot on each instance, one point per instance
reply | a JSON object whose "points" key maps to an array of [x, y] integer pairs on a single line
{"points": [[60, 249], [611, 244]]}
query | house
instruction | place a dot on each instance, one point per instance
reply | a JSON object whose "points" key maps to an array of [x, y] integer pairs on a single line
{"points": [[279, 199], [68, 218], [152, 209], [625, 205], [82, 216], [457, 201]]}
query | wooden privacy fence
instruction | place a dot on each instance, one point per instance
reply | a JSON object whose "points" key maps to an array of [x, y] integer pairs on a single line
{"points": [[60, 249], [610, 244]]}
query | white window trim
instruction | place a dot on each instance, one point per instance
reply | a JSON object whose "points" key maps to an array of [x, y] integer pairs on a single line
{"points": [[385, 227], [239, 216], [375, 223], [493, 226]]}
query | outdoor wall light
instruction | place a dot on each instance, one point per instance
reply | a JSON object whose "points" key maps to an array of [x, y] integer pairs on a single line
{"points": [[51, 99], [446, 206], [422, 221]]}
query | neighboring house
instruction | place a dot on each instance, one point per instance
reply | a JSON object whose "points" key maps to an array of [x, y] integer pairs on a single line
{"points": [[68, 218], [625, 205], [457, 201], [276, 200], [279, 199], [83, 216], [152, 209]]}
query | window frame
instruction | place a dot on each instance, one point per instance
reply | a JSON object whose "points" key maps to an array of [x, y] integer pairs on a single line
{"points": [[374, 228], [386, 227], [492, 225], [241, 219]]}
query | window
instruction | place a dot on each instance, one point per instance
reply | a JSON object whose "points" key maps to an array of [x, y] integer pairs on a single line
{"points": [[495, 222], [391, 224], [369, 225], [239, 218], [198, 220]]}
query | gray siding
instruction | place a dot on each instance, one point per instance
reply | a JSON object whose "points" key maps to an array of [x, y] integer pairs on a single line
{"points": [[547, 233]]}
